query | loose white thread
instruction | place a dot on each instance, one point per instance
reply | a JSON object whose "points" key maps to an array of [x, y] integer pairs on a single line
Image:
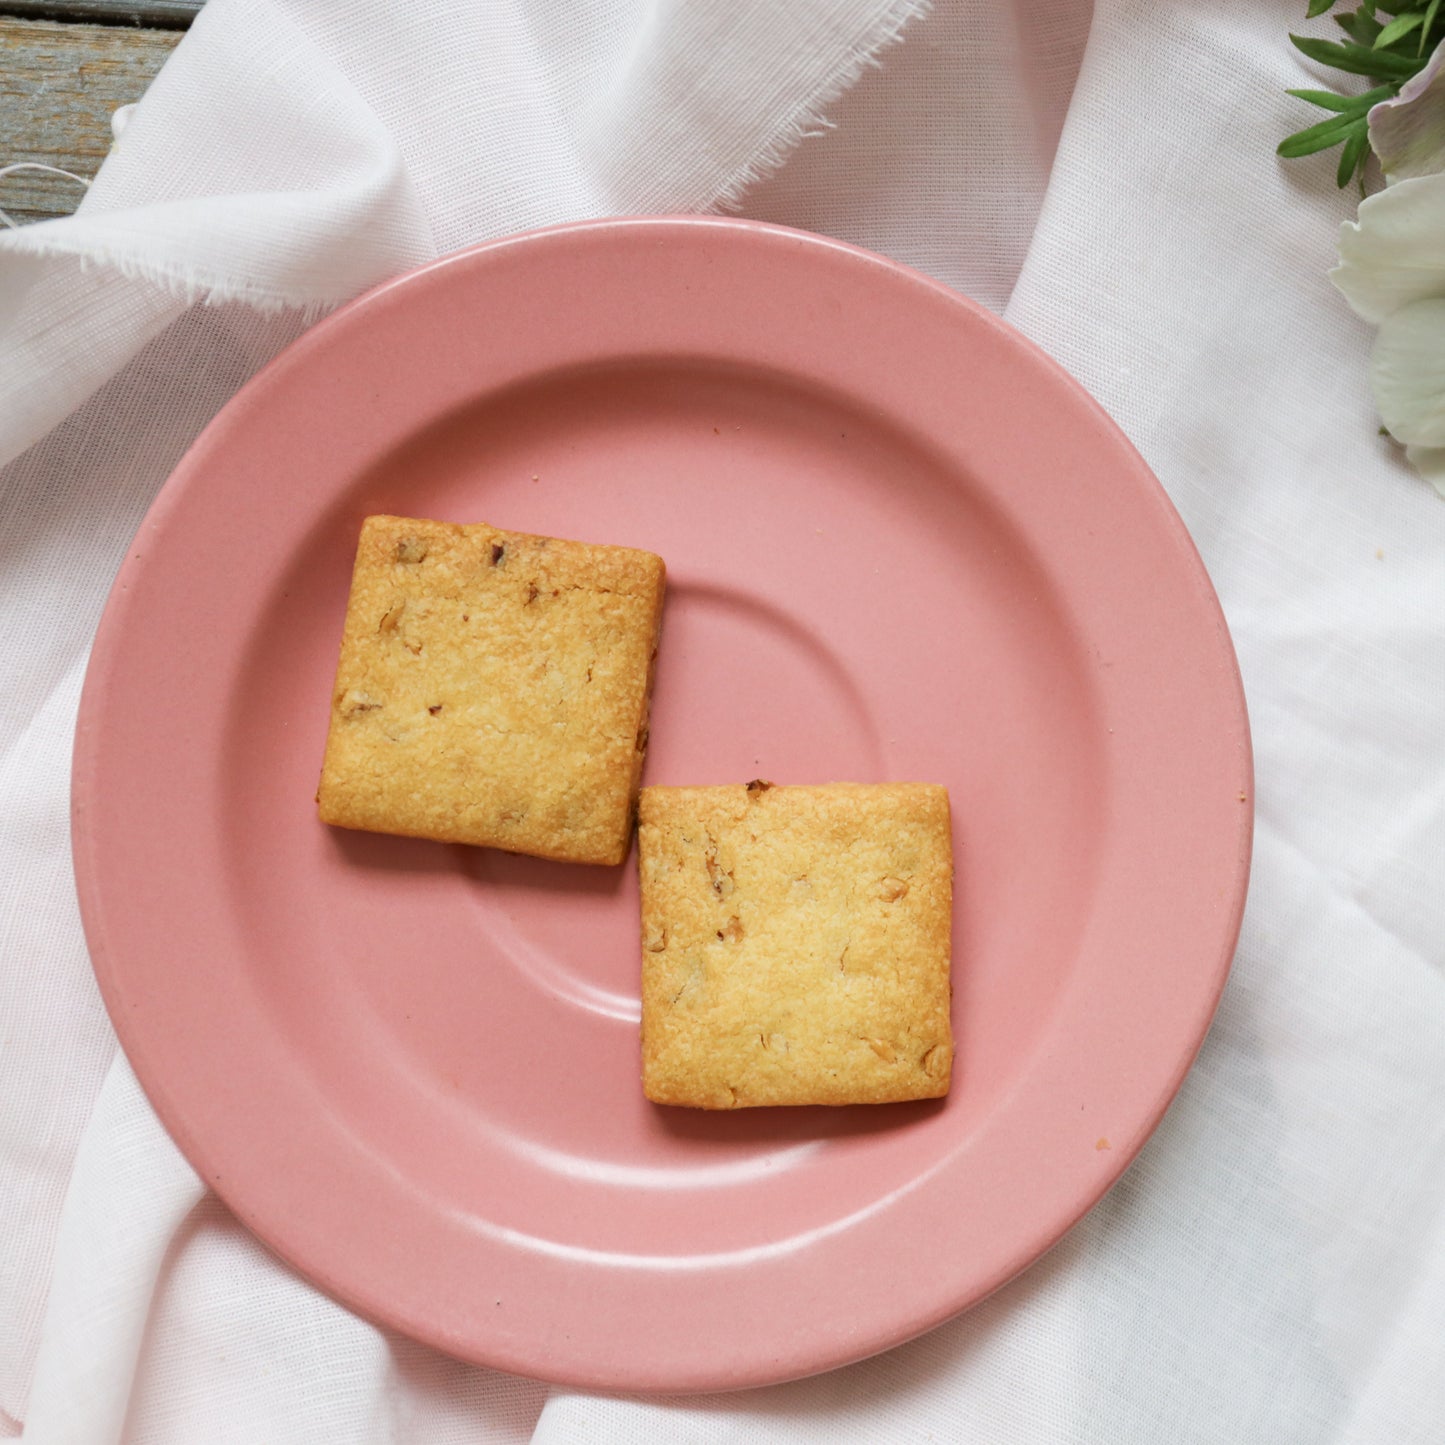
{"points": [[15, 166]]}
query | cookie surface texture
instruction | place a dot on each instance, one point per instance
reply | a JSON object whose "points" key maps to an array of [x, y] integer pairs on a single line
{"points": [[795, 944], [493, 689]]}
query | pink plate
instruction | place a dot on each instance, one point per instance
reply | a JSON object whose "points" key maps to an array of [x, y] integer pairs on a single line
{"points": [[902, 544]]}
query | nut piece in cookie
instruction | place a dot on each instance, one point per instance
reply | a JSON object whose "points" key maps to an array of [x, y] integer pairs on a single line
{"points": [[493, 688], [795, 944]]}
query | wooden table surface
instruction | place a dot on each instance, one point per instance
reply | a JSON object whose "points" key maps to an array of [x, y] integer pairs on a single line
{"points": [[65, 65]]}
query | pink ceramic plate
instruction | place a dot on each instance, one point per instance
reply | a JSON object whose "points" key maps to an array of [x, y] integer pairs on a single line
{"points": [[902, 544]]}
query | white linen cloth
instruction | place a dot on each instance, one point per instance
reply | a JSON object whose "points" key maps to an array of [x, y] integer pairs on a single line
{"points": [[1273, 1267]]}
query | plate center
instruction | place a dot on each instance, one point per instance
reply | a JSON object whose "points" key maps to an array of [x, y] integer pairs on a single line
{"points": [[743, 690], [845, 603]]}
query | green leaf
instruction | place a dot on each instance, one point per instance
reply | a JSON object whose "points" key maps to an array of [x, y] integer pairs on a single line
{"points": [[1359, 26], [1321, 137], [1325, 99], [1318, 7], [1329, 100], [1352, 156], [1430, 15], [1356, 59], [1398, 29]]}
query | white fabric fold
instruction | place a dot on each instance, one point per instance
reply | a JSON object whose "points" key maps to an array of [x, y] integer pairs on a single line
{"points": [[290, 155], [130, 1195]]}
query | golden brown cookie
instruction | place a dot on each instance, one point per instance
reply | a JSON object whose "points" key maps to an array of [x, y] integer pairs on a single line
{"points": [[796, 944], [493, 688]]}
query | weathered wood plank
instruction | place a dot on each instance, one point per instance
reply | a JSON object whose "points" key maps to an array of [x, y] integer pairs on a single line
{"points": [[159, 14], [58, 87]]}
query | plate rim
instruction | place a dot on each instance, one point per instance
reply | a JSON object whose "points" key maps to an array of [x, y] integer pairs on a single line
{"points": [[86, 782]]}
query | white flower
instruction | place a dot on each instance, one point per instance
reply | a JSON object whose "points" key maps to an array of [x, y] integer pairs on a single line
{"points": [[1392, 269], [1408, 372], [1394, 253], [1430, 463], [1408, 133]]}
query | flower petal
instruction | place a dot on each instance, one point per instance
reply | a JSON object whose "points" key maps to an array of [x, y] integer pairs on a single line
{"points": [[1430, 463], [1395, 252], [1408, 133], [1407, 372]]}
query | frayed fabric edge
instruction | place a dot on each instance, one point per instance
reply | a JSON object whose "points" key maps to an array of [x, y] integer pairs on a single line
{"points": [[187, 287], [190, 287], [808, 119]]}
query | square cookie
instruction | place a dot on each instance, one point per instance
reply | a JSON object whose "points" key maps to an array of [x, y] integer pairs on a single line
{"points": [[493, 689], [795, 944]]}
